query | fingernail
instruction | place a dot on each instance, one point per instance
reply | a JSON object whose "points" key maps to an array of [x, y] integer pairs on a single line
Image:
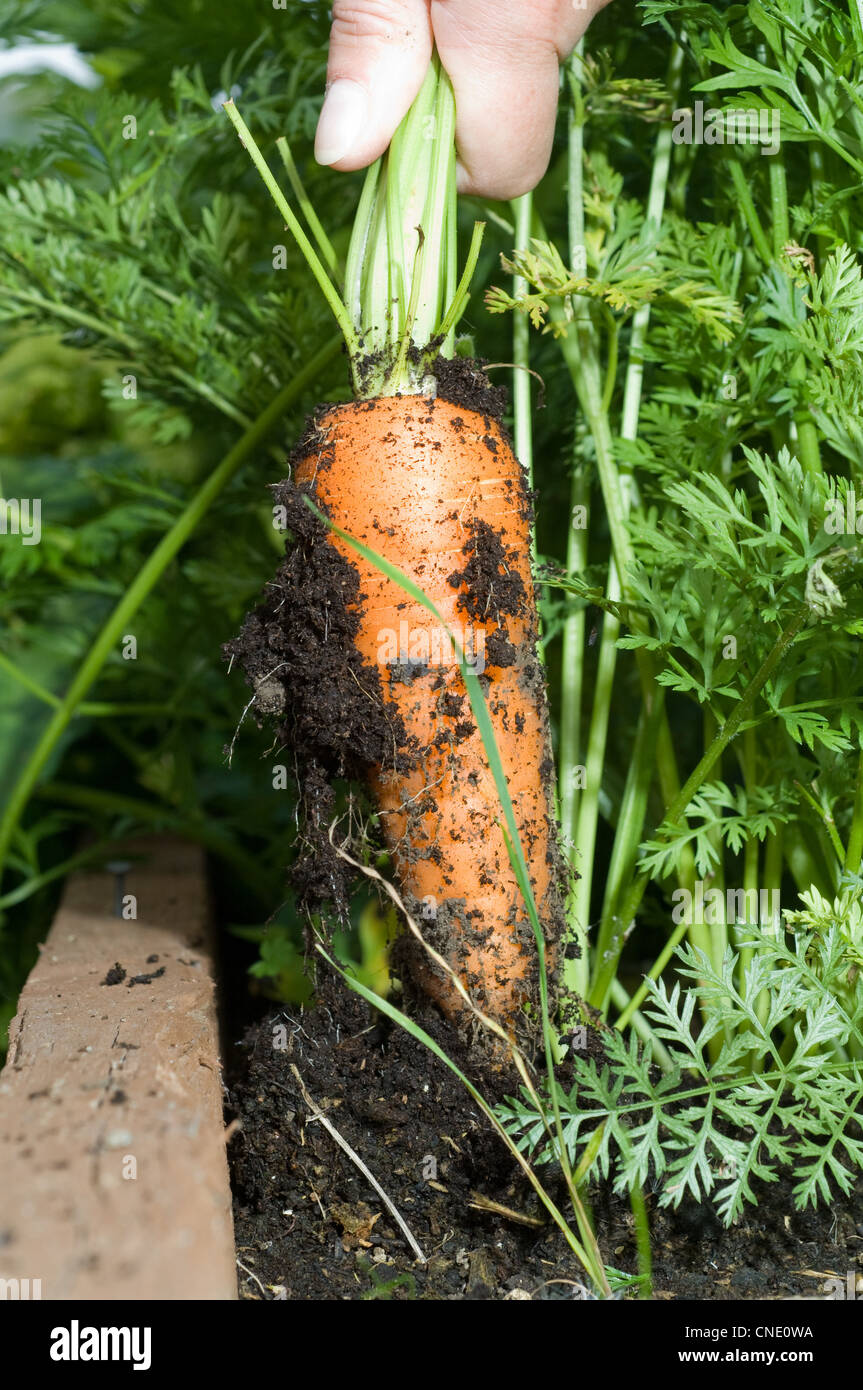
{"points": [[344, 116]]}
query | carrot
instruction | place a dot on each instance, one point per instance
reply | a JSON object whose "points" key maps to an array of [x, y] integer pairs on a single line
{"points": [[434, 488], [438, 492]]}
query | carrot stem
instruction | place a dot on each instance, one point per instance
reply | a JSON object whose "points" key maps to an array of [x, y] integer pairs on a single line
{"points": [[325, 246], [573, 647], [523, 437], [401, 296], [458, 304], [676, 811], [855, 839], [312, 259], [580, 349]]}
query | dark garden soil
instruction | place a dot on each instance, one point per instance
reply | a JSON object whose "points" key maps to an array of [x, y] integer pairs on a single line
{"points": [[309, 1225]]}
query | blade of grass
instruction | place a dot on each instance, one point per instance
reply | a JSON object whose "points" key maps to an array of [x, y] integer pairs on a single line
{"points": [[509, 830]]}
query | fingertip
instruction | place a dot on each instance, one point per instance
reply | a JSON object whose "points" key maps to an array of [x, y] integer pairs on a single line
{"points": [[343, 117], [379, 54], [507, 181]]}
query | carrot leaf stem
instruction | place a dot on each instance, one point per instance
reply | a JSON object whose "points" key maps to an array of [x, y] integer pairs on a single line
{"points": [[458, 303], [325, 246], [294, 226], [418, 198], [402, 297]]}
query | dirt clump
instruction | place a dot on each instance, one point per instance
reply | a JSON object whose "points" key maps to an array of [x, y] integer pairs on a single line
{"points": [[309, 1225]]}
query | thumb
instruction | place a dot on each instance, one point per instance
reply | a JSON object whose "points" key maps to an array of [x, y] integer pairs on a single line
{"points": [[379, 53]]}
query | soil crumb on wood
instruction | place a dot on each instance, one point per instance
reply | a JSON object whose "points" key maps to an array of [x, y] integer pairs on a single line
{"points": [[309, 1225]]}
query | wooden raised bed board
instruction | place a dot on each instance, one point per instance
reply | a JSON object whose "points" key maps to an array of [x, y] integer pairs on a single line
{"points": [[113, 1174]]}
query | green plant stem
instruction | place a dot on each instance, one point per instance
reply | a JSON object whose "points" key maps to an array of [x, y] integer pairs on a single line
{"points": [[339, 311], [509, 831], [746, 204], [773, 884], [619, 492], [675, 811], [405, 305], [642, 1239], [588, 1254], [147, 577], [630, 821], [88, 708], [576, 971], [750, 850], [750, 885], [808, 448], [579, 350], [572, 683], [719, 930], [828, 824], [325, 246], [778, 206], [854, 853], [413, 284], [450, 320], [522, 422], [438, 209]]}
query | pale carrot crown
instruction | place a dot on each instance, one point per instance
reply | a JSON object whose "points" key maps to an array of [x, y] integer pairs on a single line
{"points": [[401, 297]]}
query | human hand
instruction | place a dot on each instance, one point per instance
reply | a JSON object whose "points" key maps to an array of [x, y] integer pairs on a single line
{"points": [[502, 57]]}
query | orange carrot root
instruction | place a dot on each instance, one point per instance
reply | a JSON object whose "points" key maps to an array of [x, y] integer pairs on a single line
{"points": [[437, 490]]}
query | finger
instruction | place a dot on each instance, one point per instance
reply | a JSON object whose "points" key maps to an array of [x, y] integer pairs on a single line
{"points": [[379, 54], [503, 59]]}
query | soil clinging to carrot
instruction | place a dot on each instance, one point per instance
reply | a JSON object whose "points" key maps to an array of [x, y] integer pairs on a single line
{"points": [[462, 381], [298, 654]]}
